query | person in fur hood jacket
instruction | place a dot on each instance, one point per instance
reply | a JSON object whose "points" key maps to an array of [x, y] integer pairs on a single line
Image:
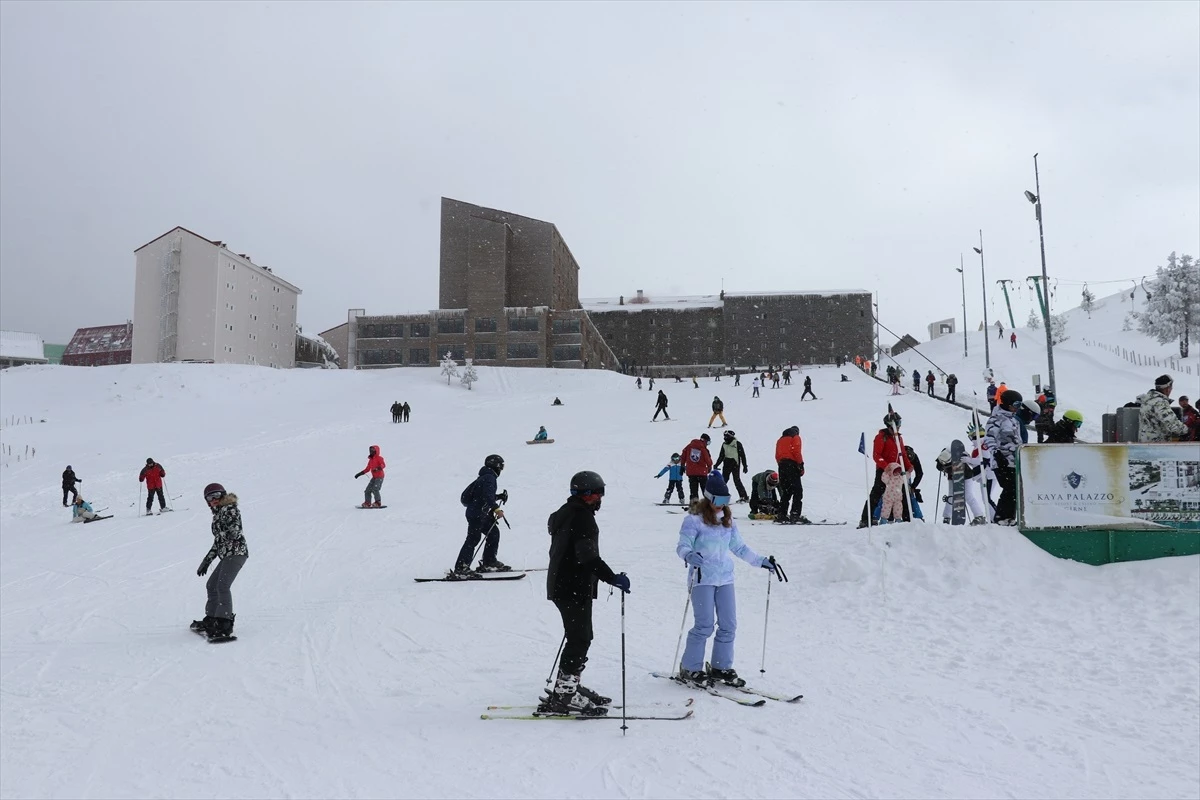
{"points": [[229, 546]]}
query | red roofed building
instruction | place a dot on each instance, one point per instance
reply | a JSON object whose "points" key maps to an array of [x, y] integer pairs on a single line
{"points": [[94, 347]]}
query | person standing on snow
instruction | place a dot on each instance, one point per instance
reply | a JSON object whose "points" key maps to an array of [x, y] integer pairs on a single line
{"points": [[1156, 421], [674, 472], [1012, 340], [68, 484], [375, 466], [929, 381], [152, 475], [660, 405], [697, 463], [718, 409], [397, 410], [571, 584], [951, 384], [483, 514], [407, 410], [790, 458], [229, 545], [916, 381], [733, 457], [1003, 439], [707, 538], [886, 451], [754, 385], [807, 388]]}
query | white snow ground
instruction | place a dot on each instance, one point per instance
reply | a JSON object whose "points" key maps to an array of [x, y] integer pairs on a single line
{"points": [[934, 662]]}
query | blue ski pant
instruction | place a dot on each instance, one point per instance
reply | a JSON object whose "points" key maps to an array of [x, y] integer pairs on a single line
{"points": [[707, 601], [477, 528]]}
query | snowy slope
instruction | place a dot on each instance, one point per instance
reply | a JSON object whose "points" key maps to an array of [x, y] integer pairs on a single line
{"points": [[935, 662]]}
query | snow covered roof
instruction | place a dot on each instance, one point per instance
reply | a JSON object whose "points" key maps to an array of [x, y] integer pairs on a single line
{"points": [[101, 339], [25, 346], [634, 303], [825, 293]]}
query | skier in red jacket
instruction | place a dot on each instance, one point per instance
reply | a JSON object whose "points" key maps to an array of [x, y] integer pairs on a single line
{"points": [[885, 453], [152, 475], [697, 463], [375, 465]]}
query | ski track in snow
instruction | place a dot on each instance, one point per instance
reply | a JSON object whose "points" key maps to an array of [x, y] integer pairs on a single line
{"points": [[935, 662]]}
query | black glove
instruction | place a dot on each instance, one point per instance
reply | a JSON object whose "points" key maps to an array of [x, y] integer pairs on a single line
{"points": [[204, 566], [621, 582], [917, 495], [745, 469], [775, 567], [801, 469], [358, 475], [502, 497]]}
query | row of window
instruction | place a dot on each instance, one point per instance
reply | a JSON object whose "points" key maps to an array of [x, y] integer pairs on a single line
{"points": [[483, 352], [450, 325]]}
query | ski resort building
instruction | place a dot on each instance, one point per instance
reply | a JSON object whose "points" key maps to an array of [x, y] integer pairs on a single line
{"points": [[100, 346], [18, 348], [197, 300]]}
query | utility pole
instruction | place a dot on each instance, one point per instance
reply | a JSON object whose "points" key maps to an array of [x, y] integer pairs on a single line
{"points": [[877, 350], [987, 352], [962, 274], [1036, 199], [1004, 282]]}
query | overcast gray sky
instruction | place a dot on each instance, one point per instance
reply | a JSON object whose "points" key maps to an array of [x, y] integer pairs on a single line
{"points": [[776, 146]]}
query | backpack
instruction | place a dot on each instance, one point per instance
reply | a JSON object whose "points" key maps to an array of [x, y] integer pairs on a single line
{"points": [[469, 494]]}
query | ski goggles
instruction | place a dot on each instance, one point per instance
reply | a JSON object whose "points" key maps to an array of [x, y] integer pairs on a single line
{"points": [[719, 500]]}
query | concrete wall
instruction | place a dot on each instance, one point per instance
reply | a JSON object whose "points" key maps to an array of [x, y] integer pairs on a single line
{"points": [[339, 340], [799, 328], [663, 335]]}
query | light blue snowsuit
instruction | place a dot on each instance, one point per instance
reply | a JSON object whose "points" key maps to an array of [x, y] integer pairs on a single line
{"points": [[707, 550]]}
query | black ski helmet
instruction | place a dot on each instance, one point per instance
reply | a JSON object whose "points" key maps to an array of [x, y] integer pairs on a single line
{"points": [[587, 482], [1010, 397], [214, 491], [495, 463], [674, 456], [149, 461]]}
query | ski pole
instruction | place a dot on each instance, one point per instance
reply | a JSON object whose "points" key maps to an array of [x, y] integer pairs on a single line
{"points": [[762, 668], [561, 645], [679, 642], [939, 494], [624, 704]]}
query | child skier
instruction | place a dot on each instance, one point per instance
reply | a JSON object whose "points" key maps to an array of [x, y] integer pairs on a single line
{"points": [[674, 480], [81, 510], [229, 545], [706, 539], [375, 466]]}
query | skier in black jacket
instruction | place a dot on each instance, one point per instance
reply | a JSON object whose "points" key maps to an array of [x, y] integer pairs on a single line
{"points": [[571, 581], [68, 484], [660, 404], [483, 514]]}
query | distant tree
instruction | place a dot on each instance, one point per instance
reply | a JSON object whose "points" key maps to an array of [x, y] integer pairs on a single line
{"points": [[1058, 328], [1173, 308], [1088, 302], [449, 368], [469, 375], [1034, 322]]}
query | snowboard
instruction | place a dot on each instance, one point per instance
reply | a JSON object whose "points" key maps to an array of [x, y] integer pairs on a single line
{"points": [[540, 441], [958, 489], [97, 519], [371, 508], [475, 576], [217, 640]]}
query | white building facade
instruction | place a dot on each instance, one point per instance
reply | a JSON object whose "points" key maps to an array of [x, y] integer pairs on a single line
{"points": [[943, 327], [195, 299]]}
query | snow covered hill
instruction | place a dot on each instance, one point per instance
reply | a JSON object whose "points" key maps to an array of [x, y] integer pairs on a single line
{"points": [[934, 662]]}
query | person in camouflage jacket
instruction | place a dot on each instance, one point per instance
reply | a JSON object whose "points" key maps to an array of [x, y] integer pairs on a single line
{"points": [[1156, 421], [229, 545], [1002, 441]]}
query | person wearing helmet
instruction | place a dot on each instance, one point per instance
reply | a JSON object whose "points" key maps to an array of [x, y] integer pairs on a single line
{"points": [[707, 539], [675, 480], [718, 410], [68, 485], [697, 463], [763, 497], [482, 510], [229, 546], [660, 406], [1027, 411], [789, 456], [884, 452], [541, 435], [1063, 431], [152, 475], [732, 461], [375, 466], [574, 570], [1002, 441]]}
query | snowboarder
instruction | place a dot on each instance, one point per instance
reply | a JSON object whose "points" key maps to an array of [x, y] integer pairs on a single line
{"points": [[541, 435], [951, 385], [1156, 421], [660, 405], [718, 409], [697, 463], [397, 410], [790, 458], [407, 410], [81, 510], [557, 402], [375, 466], [886, 451], [1063, 431], [1002, 441], [674, 470], [229, 545], [763, 498], [68, 484], [733, 457], [571, 584], [705, 544], [929, 381], [754, 385], [152, 475], [483, 515], [808, 388], [1012, 340]]}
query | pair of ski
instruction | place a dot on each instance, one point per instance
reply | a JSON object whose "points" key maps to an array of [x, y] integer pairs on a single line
{"points": [[486, 577], [645, 711], [727, 692], [97, 519]]}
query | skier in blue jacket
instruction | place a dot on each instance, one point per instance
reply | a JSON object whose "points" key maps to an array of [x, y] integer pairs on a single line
{"points": [[705, 543], [675, 483]]}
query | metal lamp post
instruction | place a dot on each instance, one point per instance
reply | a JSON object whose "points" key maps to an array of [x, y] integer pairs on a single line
{"points": [[987, 353], [1036, 200], [963, 276]]}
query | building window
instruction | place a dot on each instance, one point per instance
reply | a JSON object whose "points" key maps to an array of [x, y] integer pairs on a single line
{"points": [[377, 330], [566, 326], [485, 324], [418, 355], [566, 352], [457, 351], [381, 356], [523, 350], [419, 330], [523, 324], [485, 352], [451, 325]]}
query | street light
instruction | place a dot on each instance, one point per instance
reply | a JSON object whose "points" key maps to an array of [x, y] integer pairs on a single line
{"points": [[1036, 200], [987, 352], [963, 276]]}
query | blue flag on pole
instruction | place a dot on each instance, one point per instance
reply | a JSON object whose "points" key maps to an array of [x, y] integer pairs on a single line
{"points": [[862, 443]]}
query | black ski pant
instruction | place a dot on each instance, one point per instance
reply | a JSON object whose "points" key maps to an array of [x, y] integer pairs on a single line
{"points": [[674, 486], [696, 486], [477, 528], [1006, 506], [75, 493], [808, 391], [791, 488], [733, 467], [663, 410], [950, 394], [874, 499], [577, 628], [150, 493], [930, 389], [220, 583]]}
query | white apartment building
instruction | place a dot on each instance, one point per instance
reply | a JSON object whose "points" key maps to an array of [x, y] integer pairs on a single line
{"points": [[194, 299]]}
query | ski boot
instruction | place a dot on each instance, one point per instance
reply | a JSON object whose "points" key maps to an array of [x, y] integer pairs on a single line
{"points": [[799, 519], [594, 696], [694, 677], [494, 565], [376, 505], [222, 628], [729, 677], [565, 700], [203, 625], [980, 520], [461, 572], [366, 504]]}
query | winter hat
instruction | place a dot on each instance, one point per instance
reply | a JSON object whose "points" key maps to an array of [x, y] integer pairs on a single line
{"points": [[69, 466], [1163, 382], [149, 461], [715, 486]]}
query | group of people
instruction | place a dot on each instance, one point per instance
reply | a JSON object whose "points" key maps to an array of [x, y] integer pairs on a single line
{"points": [[400, 411]]}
